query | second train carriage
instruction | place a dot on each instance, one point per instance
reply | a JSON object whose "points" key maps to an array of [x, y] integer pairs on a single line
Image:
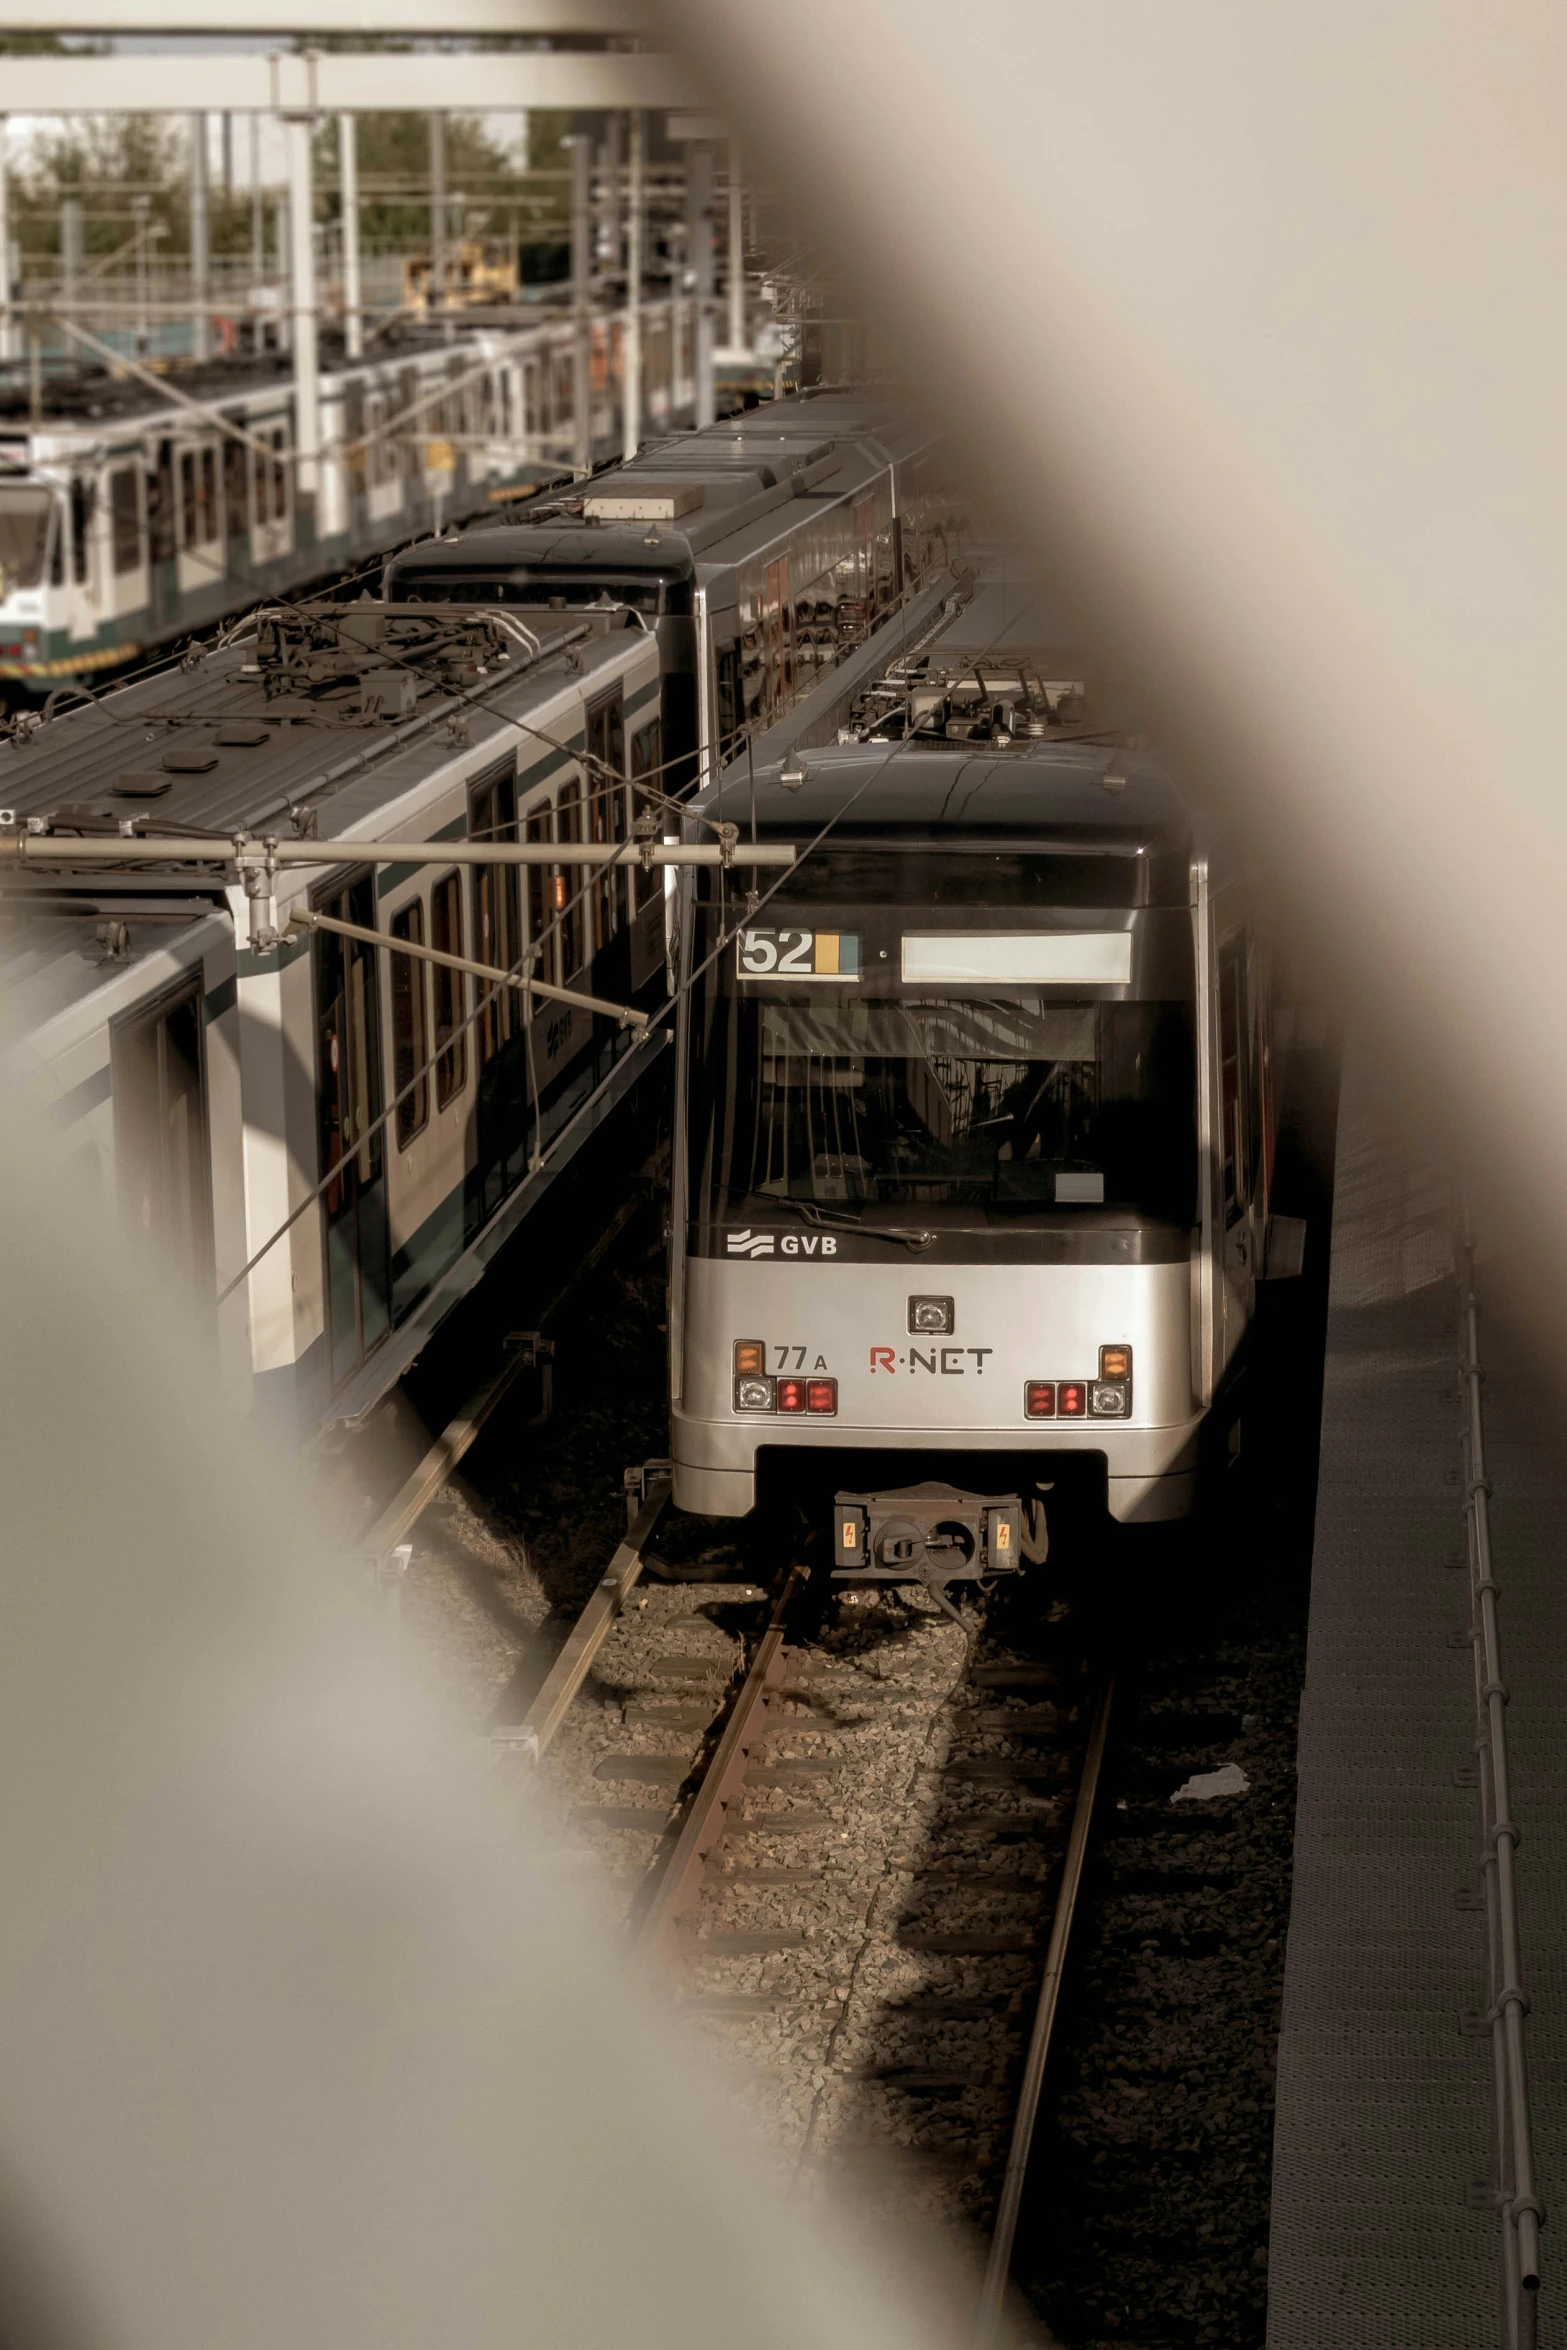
{"points": [[292, 1058], [974, 1130], [763, 550], [128, 518]]}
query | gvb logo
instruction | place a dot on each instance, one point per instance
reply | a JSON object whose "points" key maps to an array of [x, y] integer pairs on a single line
{"points": [[750, 1244]]}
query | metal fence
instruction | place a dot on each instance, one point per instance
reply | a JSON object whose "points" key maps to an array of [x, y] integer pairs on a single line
{"points": [[1518, 2205]]}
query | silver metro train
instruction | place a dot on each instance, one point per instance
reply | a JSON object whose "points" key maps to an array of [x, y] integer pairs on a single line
{"points": [[975, 1139]]}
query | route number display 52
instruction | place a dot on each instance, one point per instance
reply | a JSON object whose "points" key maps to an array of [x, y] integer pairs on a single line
{"points": [[798, 954]]}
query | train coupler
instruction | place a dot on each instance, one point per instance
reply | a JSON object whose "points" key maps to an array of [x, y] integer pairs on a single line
{"points": [[930, 1534]]}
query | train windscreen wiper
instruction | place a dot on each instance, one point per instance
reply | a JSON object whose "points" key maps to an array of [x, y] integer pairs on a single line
{"points": [[825, 1219]]}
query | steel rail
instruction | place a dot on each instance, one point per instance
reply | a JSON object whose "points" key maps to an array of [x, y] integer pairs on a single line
{"points": [[533, 1734], [722, 1784], [999, 2266], [423, 1482], [1517, 2196]]}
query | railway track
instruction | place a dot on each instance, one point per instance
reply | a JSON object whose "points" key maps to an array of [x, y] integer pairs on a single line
{"points": [[851, 1835]]}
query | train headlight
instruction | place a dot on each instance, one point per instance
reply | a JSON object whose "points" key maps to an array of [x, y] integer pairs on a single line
{"points": [[1109, 1399], [750, 1358], [756, 1395], [931, 1317]]}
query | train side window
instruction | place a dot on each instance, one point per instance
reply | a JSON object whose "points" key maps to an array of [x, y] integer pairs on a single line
{"points": [[647, 759], [56, 545], [190, 530], [410, 1027], [570, 898], [492, 815], [234, 495], [124, 520], [606, 734], [1234, 1082], [451, 991], [160, 1131], [83, 500], [279, 440], [207, 495], [541, 893]]}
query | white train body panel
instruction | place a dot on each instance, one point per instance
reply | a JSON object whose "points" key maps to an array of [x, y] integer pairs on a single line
{"points": [[1011, 1323]]}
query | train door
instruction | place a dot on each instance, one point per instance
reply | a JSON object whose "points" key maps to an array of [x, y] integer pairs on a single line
{"points": [[271, 492], [162, 1157], [127, 583], [777, 640], [499, 1031], [606, 744], [1238, 1153], [199, 520], [353, 1152]]}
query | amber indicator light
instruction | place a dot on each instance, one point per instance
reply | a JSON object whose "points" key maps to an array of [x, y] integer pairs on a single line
{"points": [[1115, 1362], [750, 1358]]}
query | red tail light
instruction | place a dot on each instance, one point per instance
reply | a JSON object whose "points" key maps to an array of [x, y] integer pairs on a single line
{"points": [[1039, 1399], [1072, 1399], [821, 1395], [791, 1395]]}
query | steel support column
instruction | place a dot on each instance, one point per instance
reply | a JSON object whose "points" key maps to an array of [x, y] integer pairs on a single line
{"points": [[737, 336], [699, 255], [438, 288], [200, 241], [348, 180], [7, 314], [302, 305], [636, 207], [581, 298]]}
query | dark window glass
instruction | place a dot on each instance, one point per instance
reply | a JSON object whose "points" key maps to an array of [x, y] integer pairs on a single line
{"points": [[570, 892], [125, 520], [24, 537], [492, 815], [451, 991], [647, 760], [83, 500], [541, 892], [606, 735], [279, 440], [410, 1027], [160, 1134], [189, 530], [996, 1106], [57, 552]]}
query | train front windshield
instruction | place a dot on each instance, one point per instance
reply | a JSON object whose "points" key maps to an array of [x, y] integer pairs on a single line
{"points": [[1015, 1103]]}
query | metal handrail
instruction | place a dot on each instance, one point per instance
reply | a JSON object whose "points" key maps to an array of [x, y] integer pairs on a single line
{"points": [[1517, 2198]]}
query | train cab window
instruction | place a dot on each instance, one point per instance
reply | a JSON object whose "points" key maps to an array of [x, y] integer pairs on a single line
{"points": [[541, 899], [349, 1079], [728, 699], [1234, 1082], [24, 537], [570, 896], [606, 738], [83, 502], [410, 1027], [492, 815], [124, 520], [160, 1133], [451, 991]]}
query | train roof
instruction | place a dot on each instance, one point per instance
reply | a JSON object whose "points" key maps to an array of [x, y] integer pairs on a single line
{"points": [[82, 399], [208, 748], [1079, 796]]}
